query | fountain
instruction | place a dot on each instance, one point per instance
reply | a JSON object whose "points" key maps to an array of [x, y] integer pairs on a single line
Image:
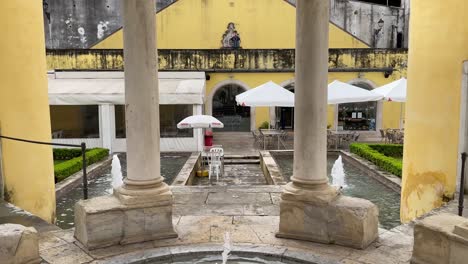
{"points": [[338, 174], [116, 172]]}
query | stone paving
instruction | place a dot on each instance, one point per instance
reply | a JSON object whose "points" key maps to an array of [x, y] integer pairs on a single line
{"points": [[202, 214], [236, 143], [236, 174]]}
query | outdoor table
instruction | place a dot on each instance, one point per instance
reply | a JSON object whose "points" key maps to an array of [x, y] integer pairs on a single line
{"points": [[270, 133]]}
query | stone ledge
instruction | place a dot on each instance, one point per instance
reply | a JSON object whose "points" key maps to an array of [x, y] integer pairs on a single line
{"points": [[188, 171], [270, 169], [346, 221], [105, 221], [440, 239], [18, 244]]}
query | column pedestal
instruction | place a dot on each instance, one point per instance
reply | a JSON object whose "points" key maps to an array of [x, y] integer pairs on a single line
{"points": [[321, 214], [311, 209], [131, 215], [141, 209]]}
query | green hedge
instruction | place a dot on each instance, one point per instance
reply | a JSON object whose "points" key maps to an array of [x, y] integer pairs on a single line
{"points": [[66, 153], [389, 150], [67, 168], [369, 152]]}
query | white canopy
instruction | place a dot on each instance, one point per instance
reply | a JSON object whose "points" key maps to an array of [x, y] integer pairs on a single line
{"points": [[394, 91], [340, 92], [267, 94], [89, 88], [200, 121]]}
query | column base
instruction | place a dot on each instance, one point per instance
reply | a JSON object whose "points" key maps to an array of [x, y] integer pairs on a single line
{"points": [[440, 239], [128, 216], [320, 214]]}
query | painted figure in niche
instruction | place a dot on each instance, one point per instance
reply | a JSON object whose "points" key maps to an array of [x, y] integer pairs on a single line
{"points": [[231, 38]]}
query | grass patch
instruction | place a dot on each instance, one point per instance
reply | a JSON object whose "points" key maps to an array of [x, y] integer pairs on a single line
{"points": [[64, 168], [388, 157]]}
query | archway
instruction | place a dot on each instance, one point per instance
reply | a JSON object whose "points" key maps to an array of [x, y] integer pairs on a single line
{"points": [[221, 103]]}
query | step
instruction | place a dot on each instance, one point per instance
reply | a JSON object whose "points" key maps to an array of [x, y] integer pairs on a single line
{"points": [[241, 161], [243, 157]]}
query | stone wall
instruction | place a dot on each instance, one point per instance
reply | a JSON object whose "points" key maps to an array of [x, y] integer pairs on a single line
{"points": [[82, 23]]}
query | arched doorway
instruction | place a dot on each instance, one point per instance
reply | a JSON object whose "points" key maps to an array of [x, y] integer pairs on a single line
{"points": [[225, 108], [285, 115], [358, 116]]}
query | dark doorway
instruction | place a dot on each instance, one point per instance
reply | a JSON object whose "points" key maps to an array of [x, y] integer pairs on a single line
{"points": [[225, 108], [285, 115]]}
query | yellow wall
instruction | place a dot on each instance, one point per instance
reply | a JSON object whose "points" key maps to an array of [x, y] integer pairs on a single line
{"points": [[251, 80], [200, 24], [438, 46], [24, 109], [391, 110]]}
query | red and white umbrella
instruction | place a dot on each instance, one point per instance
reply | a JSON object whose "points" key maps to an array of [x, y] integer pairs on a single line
{"points": [[200, 121]]}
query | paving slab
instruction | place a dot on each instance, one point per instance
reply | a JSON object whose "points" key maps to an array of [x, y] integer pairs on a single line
{"points": [[238, 198], [65, 254]]}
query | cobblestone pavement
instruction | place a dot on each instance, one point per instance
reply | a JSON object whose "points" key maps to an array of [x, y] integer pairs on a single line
{"points": [[202, 214]]}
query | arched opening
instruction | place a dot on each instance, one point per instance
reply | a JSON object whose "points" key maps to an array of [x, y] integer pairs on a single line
{"points": [[225, 108], [285, 115], [358, 116]]}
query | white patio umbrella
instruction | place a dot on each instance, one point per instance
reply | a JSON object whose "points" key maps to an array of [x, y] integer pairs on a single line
{"points": [[340, 93], [394, 92], [266, 95], [200, 121]]}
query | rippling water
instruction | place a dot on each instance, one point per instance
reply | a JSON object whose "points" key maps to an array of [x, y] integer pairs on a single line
{"points": [[171, 164], [358, 185]]}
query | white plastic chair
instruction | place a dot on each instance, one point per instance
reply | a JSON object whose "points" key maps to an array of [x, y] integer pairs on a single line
{"points": [[215, 162]]}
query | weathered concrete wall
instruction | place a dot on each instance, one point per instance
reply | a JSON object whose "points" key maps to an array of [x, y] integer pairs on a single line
{"points": [[226, 60], [75, 24], [362, 20], [82, 23]]}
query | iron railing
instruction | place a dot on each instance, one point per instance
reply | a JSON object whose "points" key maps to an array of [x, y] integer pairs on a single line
{"points": [[83, 155], [461, 195]]}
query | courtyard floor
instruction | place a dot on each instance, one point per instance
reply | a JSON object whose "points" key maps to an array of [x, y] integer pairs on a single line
{"points": [[202, 215], [250, 214]]}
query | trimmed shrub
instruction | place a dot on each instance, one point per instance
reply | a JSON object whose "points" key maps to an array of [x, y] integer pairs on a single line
{"points": [[389, 150], [66, 153], [387, 163], [69, 167], [264, 125]]}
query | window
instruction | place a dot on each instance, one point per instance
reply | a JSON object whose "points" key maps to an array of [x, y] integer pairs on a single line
{"points": [[74, 121], [358, 116], [169, 116]]}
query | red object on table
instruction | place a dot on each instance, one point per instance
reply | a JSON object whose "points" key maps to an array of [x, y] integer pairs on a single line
{"points": [[208, 138]]}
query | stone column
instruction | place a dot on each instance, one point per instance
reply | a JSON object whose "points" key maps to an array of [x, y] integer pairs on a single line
{"points": [[142, 101], [310, 208], [141, 209]]}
